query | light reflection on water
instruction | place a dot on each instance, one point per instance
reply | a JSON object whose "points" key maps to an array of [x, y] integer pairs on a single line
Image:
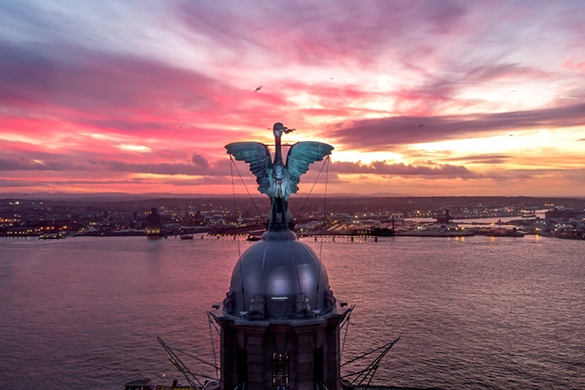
{"points": [[475, 312]]}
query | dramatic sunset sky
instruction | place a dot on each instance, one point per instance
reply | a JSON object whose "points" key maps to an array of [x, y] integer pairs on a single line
{"points": [[417, 97]]}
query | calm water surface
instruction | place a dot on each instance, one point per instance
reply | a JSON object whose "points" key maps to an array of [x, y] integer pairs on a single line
{"points": [[477, 313]]}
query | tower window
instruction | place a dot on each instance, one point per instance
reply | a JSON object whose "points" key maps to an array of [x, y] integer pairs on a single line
{"points": [[280, 371], [242, 365], [318, 365]]}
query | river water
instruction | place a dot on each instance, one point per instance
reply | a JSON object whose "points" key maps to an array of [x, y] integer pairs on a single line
{"points": [[474, 312]]}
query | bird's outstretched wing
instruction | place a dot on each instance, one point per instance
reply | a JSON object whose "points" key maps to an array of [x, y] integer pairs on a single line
{"points": [[257, 156], [300, 155]]}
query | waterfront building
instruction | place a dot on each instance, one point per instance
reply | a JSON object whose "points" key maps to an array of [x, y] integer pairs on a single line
{"points": [[154, 223], [564, 213], [446, 219]]}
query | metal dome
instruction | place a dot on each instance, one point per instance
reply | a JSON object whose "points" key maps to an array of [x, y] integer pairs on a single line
{"points": [[279, 277]]}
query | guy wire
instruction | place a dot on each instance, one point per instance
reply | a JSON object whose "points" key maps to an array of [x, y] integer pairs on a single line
{"points": [[314, 183], [327, 162], [234, 195], [245, 186], [239, 254]]}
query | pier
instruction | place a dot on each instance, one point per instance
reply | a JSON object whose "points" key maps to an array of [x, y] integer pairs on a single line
{"points": [[315, 236]]}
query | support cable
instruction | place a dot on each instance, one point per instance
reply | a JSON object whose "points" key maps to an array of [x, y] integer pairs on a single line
{"points": [[233, 164], [345, 324], [182, 368], [367, 374], [313, 186], [324, 204], [209, 321], [245, 186], [234, 196]]}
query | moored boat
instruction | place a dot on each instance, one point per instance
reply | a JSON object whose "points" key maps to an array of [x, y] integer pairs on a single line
{"points": [[382, 232], [443, 230], [52, 236]]}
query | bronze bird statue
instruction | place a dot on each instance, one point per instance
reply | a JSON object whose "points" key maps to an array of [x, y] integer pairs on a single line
{"points": [[275, 178]]}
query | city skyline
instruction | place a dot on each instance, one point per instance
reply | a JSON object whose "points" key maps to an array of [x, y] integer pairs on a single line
{"points": [[444, 98]]}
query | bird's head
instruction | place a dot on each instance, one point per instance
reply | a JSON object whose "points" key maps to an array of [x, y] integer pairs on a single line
{"points": [[279, 128]]}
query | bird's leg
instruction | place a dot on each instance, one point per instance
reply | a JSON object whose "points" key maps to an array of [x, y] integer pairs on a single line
{"points": [[278, 212], [288, 222]]}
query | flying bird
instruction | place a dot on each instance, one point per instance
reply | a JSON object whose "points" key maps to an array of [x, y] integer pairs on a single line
{"points": [[421, 125], [257, 89]]}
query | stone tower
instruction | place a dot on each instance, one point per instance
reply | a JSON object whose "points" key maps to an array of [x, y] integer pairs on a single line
{"points": [[279, 321]]}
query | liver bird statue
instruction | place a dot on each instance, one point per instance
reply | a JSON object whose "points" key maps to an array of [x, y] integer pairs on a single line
{"points": [[275, 178]]}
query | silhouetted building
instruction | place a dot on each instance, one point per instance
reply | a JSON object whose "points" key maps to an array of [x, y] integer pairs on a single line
{"points": [[446, 218], [564, 213], [154, 223]]}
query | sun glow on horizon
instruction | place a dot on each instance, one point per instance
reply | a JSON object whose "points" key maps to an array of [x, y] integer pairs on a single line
{"points": [[514, 143], [135, 148], [366, 158]]}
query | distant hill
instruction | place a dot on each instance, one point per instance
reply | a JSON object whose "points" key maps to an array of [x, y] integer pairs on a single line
{"points": [[259, 204]]}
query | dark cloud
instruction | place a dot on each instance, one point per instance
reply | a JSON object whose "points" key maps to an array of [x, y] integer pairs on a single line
{"points": [[389, 169], [384, 133], [195, 169], [51, 162], [482, 158], [19, 183], [111, 91], [200, 162], [52, 183], [87, 80], [25, 164], [161, 168], [207, 180]]}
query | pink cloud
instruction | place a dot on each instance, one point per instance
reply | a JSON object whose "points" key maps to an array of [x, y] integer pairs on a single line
{"points": [[324, 33], [578, 66]]}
